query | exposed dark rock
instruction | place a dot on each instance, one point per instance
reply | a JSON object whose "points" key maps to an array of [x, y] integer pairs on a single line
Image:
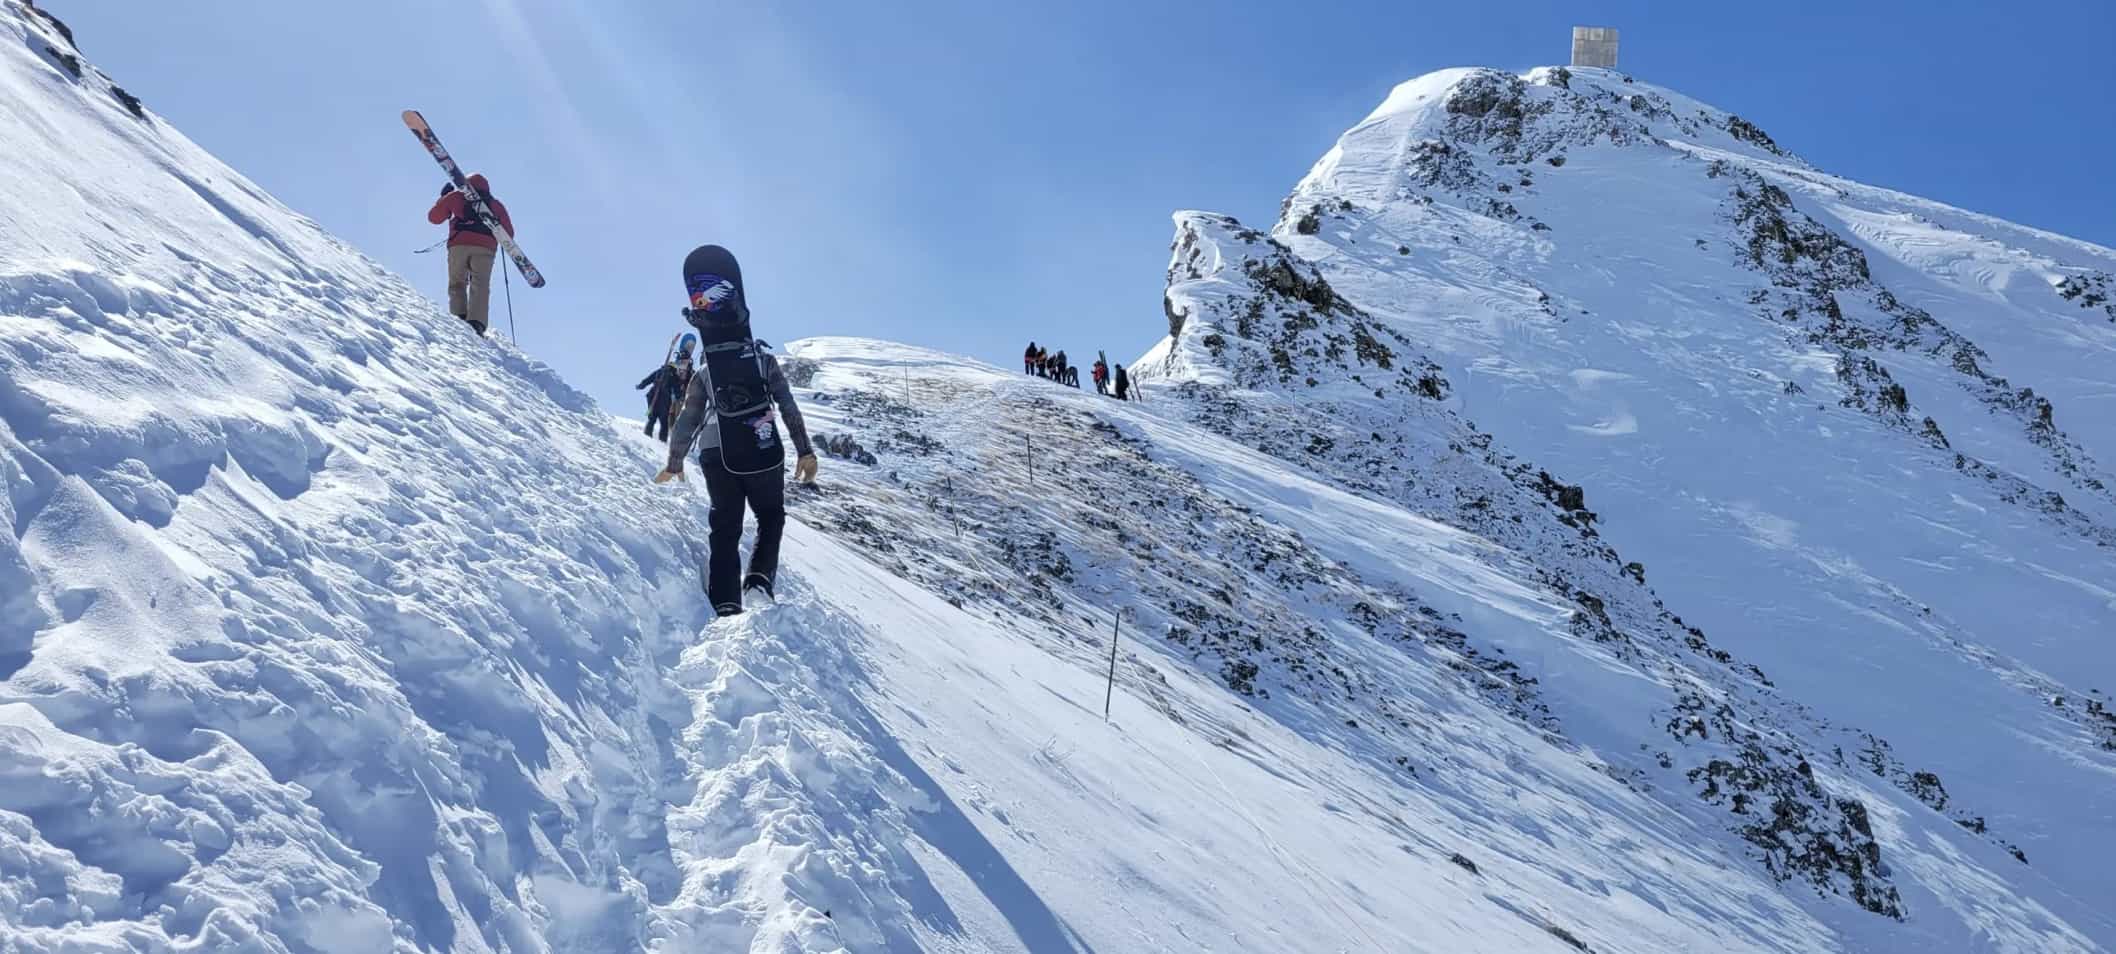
{"points": [[1310, 221], [68, 61], [1566, 936], [1747, 132], [65, 32], [129, 101]]}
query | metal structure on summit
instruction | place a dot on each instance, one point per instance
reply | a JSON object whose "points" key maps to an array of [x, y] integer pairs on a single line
{"points": [[1594, 46]]}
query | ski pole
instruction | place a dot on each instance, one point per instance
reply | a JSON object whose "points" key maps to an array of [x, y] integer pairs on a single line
{"points": [[429, 248], [507, 283], [1031, 445]]}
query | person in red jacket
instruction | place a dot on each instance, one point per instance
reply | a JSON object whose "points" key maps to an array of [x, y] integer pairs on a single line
{"points": [[471, 247]]}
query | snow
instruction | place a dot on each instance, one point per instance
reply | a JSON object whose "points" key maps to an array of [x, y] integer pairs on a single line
{"points": [[326, 626], [1873, 577]]}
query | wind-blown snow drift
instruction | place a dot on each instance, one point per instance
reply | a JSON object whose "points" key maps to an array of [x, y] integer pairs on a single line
{"points": [[326, 626]]}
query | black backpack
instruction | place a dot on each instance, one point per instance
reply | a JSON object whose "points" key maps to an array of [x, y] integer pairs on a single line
{"points": [[737, 380]]}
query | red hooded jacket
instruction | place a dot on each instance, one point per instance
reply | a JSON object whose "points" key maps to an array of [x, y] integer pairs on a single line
{"points": [[455, 210]]}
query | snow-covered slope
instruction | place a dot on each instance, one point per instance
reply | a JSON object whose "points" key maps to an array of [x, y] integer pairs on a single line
{"points": [[325, 626], [322, 623], [1852, 436]]}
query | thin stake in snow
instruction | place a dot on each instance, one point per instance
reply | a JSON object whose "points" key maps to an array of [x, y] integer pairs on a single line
{"points": [[1116, 623], [1031, 445]]}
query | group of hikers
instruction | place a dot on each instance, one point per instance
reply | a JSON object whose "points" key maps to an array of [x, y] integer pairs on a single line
{"points": [[725, 403], [1044, 364], [1054, 366], [719, 393]]}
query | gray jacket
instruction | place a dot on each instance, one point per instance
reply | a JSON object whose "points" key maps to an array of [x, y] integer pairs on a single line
{"points": [[691, 430]]}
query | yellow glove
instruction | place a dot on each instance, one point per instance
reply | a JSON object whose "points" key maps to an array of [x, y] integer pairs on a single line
{"points": [[804, 470], [668, 475]]}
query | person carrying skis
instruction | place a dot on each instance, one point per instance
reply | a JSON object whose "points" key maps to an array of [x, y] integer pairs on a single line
{"points": [[665, 387], [1123, 384], [1028, 359], [1100, 372], [471, 247], [728, 415]]}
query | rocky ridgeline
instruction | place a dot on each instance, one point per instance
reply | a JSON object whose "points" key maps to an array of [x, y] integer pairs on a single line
{"points": [[1822, 285]]}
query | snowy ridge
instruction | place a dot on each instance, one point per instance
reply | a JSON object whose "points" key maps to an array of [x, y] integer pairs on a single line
{"points": [[1784, 414], [1363, 628]]}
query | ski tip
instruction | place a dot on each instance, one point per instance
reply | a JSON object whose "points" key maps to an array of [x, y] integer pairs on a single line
{"points": [[412, 118]]}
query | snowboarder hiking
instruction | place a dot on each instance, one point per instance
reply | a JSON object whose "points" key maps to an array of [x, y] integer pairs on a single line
{"points": [[471, 248], [728, 414], [1123, 384], [665, 386]]}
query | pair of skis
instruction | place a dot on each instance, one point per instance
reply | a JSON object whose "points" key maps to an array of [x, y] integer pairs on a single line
{"points": [[417, 124]]}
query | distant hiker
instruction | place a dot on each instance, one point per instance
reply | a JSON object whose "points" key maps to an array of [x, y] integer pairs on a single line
{"points": [[727, 414], [665, 387], [1100, 373], [1058, 366], [471, 248], [1028, 359], [1071, 376], [1123, 384]]}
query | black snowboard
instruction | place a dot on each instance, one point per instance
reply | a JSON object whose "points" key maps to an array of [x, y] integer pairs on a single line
{"points": [[733, 363]]}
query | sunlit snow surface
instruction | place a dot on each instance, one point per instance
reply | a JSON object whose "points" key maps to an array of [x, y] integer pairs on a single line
{"points": [[325, 626]]}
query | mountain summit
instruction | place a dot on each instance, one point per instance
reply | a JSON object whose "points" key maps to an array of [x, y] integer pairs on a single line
{"points": [[1852, 436]]}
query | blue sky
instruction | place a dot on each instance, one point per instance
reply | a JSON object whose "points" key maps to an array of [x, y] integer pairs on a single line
{"points": [[970, 175]]}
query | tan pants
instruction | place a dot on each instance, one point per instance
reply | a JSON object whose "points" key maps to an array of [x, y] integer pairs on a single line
{"points": [[470, 283]]}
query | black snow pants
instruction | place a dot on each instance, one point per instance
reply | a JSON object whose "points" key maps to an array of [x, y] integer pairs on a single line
{"points": [[661, 410], [765, 495]]}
